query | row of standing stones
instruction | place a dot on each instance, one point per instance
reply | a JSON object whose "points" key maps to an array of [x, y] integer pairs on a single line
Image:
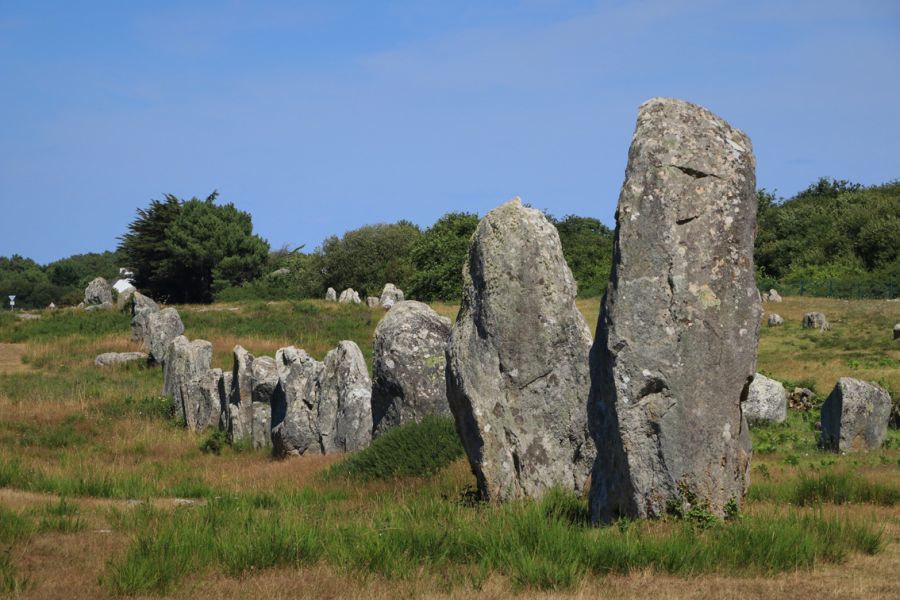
{"points": [[655, 409]]}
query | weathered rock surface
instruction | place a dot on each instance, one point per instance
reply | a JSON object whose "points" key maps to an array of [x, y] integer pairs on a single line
{"points": [[331, 295], [124, 299], [801, 399], [98, 293], [373, 301], [775, 320], [95, 307], [349, 296], [297, 431], [345, 400], [240, 402], [773, 296], [409, 365], [264, 384], [855, 416], [390, 295], [766, 401], [675, 349], [161, 328], [141, 308], [815, 320], [108, 359], [517, 360], [185, 360], [204, 400]]}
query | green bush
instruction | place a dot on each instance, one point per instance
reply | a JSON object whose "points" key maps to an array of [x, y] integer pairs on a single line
{"points": [[412, 450]]}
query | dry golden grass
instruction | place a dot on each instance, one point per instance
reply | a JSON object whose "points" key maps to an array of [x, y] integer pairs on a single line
{"points": [[11, 358]]}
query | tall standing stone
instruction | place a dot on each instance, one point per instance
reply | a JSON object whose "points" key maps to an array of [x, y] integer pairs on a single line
{"points": [[141, 308], [264, 384], [297, 432], [205, 398], [98, 293], [517, 360], [345, 400], [675, 349], [240, 401], [185, 360], [408, 366]]}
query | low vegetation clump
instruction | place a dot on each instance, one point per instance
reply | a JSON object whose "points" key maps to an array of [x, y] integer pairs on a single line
{"points": [[411, 450], [827, 486]]}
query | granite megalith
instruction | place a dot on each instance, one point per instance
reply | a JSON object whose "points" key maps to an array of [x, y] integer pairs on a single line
{"points": [[345, 400], [98, 293], [855, 416], [517, 360], [675, 349], [409, 364], [239, 417], [391, 295], [161, 328], [185, 360]]}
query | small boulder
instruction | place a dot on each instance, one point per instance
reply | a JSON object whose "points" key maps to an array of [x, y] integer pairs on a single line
{"points": [[801, 399], [264, 384], [408, 366], [96, 307], [373, 301], [766, 401], [390, 295], [775, 320], [331, 295], [815, 320], [98, 293], [28, 317], [108, 359], [773, 296], [855, 416], [185, 360], [160, 329], [349, 296]]}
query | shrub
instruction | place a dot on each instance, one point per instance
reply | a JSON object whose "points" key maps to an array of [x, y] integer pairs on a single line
{"points": [[412, 450]]}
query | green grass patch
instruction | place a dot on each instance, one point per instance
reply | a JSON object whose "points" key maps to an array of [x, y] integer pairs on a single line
{"points": [[539, 545], [65, 323], [829, 487], [411, 450]]}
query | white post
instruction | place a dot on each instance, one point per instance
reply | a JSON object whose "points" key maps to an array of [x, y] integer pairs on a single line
{"points": [[12, 303]]}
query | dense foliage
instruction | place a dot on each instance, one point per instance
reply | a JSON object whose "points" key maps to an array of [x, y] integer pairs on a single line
{"points": [[832, 230], [185, 251], [438, 257], [588, 246], [61, 282]]}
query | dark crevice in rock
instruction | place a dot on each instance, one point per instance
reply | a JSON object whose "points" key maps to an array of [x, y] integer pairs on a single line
{"points": [[696, 174], [685, 220]]}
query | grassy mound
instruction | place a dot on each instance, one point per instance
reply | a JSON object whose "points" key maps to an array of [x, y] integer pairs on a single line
{"points": [[412, 450]]}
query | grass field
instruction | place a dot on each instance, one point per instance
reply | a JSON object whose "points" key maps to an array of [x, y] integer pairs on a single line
{"points": [[101, 495]]}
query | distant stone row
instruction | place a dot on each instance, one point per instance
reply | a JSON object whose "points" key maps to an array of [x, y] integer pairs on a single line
{"points": [[390, 295]]}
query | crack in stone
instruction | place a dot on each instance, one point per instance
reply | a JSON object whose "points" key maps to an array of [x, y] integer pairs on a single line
{"points": [[696, 174], [685, 220]]}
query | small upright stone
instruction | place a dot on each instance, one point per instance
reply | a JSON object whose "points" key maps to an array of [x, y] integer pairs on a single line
{"points": [[161, 328], [345, 401], [265, 385], [855, 416], [390, 295], [185, 360], [98, 293], [675, 349], [766, 401], [815, 320], [517, 360], [408, 366], [373, 301], [897, 331], [349, 296], [773, 296], [775, 320], [141, 308], [124, 301], [331, 295]]}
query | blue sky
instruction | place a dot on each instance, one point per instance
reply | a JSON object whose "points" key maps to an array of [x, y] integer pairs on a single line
{"points": [[318, 117]]}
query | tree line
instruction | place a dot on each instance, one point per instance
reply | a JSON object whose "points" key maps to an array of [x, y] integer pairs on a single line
{"points": [[197, 250]]}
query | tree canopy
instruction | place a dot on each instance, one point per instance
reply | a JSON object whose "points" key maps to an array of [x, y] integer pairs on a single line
{"points": [[187, 250]]}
